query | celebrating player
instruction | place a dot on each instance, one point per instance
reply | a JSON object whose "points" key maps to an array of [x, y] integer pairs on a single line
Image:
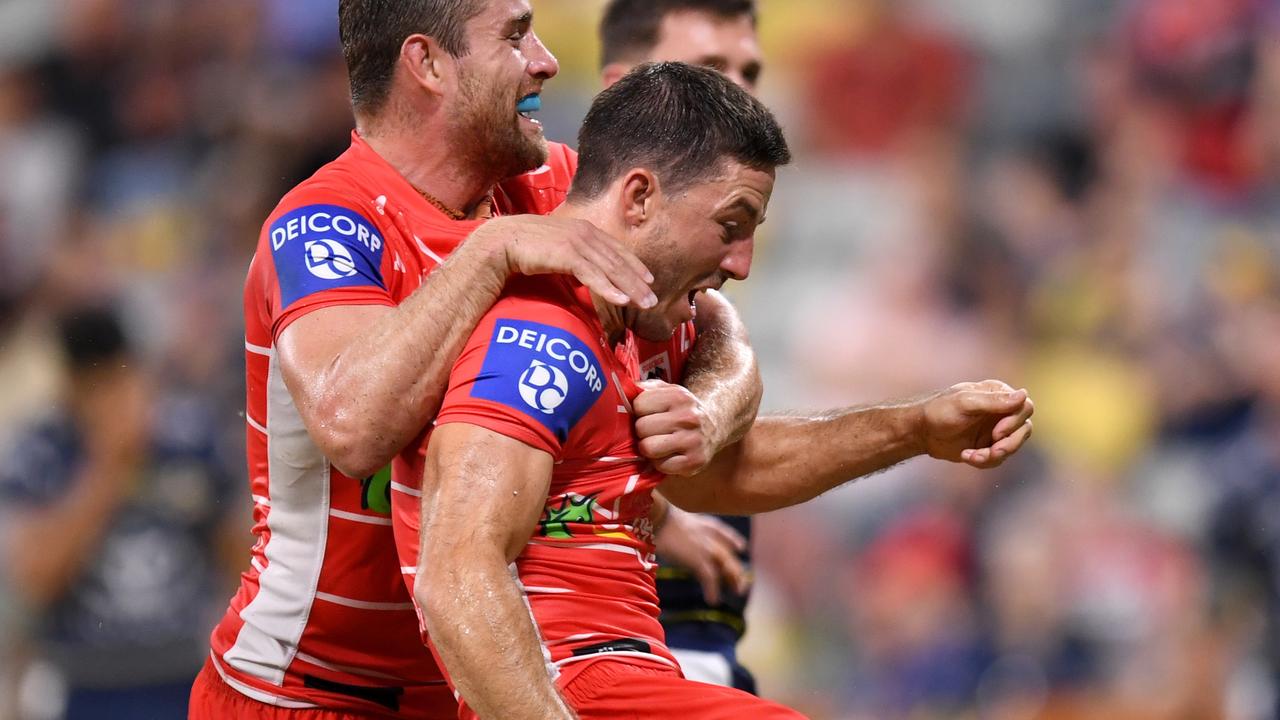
{"points": [[703, 614], [351, 329], [535, 571]]}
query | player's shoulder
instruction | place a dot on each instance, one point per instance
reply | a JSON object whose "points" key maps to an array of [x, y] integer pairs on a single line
{"points": [[539, 353], [549, 299], [542, 189]]}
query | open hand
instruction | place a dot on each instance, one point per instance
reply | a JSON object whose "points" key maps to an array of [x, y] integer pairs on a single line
{"points": [[539, 245], [707, 547]]}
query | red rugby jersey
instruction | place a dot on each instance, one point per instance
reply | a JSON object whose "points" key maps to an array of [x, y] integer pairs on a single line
{"points": [[539, 369], [322, 617]]}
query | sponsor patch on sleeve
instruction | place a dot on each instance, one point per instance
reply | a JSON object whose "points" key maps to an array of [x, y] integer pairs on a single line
{"points": [[543, 371], [322, 247]]}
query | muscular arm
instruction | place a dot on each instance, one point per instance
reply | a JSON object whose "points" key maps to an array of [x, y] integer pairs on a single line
{"points": [[367, 379], [786, 460], [723, 377], [482, 496]]}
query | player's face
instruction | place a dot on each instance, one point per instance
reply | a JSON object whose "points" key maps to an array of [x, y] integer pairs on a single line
{"points": [[701, 38], [506, 62], [703, 237]]}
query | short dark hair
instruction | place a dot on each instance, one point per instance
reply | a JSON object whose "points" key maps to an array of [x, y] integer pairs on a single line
{"points": [[677, 120], [91, 336], [372, 31], [630, 28]]}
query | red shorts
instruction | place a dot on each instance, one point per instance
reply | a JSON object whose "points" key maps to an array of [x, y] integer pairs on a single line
{"points": [[213, 699], [612, 690]]}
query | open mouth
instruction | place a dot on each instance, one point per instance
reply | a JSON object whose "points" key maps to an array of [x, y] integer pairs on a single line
{"points": [[528, 105]]}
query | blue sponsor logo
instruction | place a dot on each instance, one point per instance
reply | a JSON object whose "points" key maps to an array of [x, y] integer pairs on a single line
{"points": [[543, 371], [322, 247]]}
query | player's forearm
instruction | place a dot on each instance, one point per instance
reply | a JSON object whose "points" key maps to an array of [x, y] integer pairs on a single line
{"points": [[388, 384], [480, 626], [786, 460], [722, 370], [48, 549]]}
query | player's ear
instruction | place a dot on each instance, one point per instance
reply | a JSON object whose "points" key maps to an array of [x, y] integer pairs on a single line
{"points": [[425, 62], [612, 73], [640, 194]]}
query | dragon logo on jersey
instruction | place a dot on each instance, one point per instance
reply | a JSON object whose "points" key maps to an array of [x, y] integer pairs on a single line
{"points": [[328, 260], [573, 508], [544, 387], [545, 372]]}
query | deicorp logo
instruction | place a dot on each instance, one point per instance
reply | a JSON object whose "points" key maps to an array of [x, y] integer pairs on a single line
{"points": [[328, 260], [321, 247], [543, 371], [544, 387]]}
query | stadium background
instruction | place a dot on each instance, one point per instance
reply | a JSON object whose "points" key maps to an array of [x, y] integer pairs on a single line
{"points": [[1079, 197]]}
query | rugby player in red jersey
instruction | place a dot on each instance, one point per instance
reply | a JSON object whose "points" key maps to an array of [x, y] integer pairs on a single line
{"points": [[351, 329], [532, 538]]}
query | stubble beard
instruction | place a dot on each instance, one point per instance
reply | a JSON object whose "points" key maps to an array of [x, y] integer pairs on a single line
{"points": [[487, 133]]}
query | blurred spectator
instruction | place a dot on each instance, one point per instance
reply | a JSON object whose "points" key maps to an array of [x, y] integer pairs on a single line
{"points": [[112, 506]]}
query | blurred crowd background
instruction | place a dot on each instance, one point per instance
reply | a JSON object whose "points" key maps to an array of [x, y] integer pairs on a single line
{"points": [[1082, 198]]}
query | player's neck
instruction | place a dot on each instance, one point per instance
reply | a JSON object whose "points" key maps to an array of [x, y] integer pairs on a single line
{"points": [[432, 170], [614, 319]]}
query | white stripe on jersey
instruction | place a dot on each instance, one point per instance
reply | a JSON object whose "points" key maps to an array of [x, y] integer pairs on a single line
{"points": [[299, 525], [354, 517], [255, 424], [347, 668], [610, 547], [542, 590], [363, 604], [258, 349], [405, 489]]}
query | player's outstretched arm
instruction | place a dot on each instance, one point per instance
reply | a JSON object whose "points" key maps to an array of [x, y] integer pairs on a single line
{"points": [[367, 378], [786, 460], [724, 388], [483, 494]]}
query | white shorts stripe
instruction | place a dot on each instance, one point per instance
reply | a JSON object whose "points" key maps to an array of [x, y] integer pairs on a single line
{"points": [[263, 501], [615, 654]]}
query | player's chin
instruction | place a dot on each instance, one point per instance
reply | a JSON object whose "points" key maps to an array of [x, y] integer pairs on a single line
{"points": [[655, 328]]}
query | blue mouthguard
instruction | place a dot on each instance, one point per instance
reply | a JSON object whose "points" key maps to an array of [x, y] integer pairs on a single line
{"points": [[530, 103]]}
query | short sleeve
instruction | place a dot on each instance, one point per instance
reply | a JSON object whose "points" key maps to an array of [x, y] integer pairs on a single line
{"points": [[530, 371], [324, 252]]}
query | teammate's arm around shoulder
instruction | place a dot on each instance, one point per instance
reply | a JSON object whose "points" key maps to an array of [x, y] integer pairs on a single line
{"points": [[682, 428], [483, 494], [366, 378]]}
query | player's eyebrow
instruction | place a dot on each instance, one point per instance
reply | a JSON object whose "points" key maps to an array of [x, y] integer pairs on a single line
{"points": [[520, 23], [745, 205]]}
